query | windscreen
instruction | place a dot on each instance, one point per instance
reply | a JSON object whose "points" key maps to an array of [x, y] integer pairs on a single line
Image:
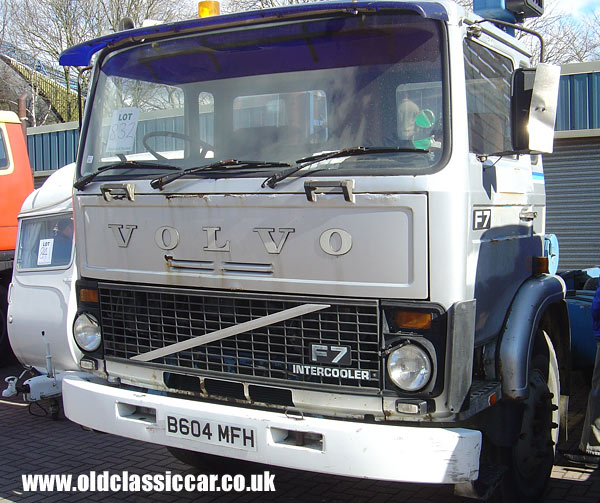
{"points": [[279, 93]]}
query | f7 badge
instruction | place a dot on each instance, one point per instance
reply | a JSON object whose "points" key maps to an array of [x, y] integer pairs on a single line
{"points": [[328, 353], [482, 219]]}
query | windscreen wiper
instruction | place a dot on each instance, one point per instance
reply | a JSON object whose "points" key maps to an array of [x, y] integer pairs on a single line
{"points": [[80, 183], [159, 183], [273, 180]]}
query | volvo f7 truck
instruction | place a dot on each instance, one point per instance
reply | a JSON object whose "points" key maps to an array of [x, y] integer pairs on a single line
{"points": [[313, 237]]}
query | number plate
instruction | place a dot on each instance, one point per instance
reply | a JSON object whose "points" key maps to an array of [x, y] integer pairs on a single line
{"points": [[211, 432]]}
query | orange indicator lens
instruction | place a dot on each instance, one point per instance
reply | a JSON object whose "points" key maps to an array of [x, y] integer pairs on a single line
{"points": [[88, 295], [413, 320], [208, 8]]}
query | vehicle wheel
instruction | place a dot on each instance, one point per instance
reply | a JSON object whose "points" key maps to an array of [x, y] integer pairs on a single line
{"points": [[530, 460], [6, 354], [591, 284], [211, 463]]}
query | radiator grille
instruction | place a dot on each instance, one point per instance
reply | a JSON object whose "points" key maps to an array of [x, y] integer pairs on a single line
{"points": [[136, 320]]}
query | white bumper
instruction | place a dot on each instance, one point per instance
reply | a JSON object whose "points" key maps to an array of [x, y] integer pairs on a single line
{"points": [[365, 450]]}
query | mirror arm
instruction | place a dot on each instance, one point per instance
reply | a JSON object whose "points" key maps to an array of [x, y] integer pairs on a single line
{"points": [[484, 157], [517, 27]]}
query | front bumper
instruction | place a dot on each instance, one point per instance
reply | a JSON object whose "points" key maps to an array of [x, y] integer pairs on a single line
{"points": [[366, 450]]}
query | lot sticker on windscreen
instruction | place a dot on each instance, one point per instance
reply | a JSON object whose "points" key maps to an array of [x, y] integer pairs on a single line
{"points": [[121, 134], [45, 252], [211, 432]]}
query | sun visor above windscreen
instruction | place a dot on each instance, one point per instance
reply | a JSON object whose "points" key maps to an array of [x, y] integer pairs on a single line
{"points": [[293, 47], [81, 54]]}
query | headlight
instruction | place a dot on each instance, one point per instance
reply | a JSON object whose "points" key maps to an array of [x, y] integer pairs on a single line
{"points": [[87, 333], [409, 367]]}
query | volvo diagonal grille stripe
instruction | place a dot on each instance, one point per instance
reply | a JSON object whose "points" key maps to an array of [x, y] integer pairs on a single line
{"points": [[137, 319], [230, 331]]}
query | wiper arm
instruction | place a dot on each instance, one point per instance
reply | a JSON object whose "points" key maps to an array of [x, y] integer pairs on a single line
{"points": [[159, 183], [273, 180], [80, 183]]}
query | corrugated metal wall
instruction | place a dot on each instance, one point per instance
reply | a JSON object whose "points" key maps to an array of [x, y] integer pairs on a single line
{"points": [[572, 176], [578, 102], [52, 147]]}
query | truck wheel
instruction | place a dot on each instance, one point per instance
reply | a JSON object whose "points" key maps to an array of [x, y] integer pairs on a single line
{"points": [[530, 460], [6, 354], [210, 463], [591, 284]]}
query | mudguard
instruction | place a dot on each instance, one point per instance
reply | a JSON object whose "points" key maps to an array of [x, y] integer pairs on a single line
{"points": [[516, 344]]}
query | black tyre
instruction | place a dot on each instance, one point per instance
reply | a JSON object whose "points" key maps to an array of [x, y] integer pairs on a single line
{"points": [[210, 463], [530, 460], [591, 284]]}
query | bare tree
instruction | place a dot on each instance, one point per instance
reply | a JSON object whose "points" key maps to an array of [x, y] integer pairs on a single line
{"points": [[567, 40], [467, 4], [110, 12], [42, 29], [591, 26], [13, 86], [240, 5], [4, 20], [48, 27]]}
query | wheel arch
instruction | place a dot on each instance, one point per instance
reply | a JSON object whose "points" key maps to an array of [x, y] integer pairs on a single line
{"points": [[539, 303]]}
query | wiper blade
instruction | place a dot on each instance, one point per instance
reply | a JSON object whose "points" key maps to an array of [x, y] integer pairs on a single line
{"points": [[273, 180], [159, 183], [356, 151], [80, 183]]}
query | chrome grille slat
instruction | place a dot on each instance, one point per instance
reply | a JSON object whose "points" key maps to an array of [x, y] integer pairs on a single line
{"points": [[138, 319]]}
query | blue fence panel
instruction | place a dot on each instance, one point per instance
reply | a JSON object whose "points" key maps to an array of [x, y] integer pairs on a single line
{"points": [[595, 101], [52, 149], [580, 97], [578, 102], [562, 113]]}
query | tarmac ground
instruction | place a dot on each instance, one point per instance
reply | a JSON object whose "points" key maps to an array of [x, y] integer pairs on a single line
{"points": [[34, 443]]}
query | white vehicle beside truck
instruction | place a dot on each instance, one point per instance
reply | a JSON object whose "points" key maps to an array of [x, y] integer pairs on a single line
{"points": [[41, 297], [313, 236]]}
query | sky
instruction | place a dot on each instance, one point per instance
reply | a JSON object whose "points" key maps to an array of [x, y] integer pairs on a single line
{"points": [[577, 8]]}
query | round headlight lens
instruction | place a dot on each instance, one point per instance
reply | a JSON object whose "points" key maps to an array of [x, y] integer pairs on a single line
{"points": [[86, 331], [409, 367]]}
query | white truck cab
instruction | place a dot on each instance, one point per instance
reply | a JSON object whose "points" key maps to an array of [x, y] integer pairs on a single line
{"points": [[42, 296], [312, 236]]}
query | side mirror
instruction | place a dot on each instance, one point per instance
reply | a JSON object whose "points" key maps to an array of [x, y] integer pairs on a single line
{"points": [[534, 103]]}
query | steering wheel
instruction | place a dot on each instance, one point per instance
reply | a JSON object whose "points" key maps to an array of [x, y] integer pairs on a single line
{"points": [[172, 134]]}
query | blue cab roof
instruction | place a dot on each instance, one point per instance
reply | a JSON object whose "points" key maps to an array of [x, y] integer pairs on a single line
{"points": [[81, 54]]}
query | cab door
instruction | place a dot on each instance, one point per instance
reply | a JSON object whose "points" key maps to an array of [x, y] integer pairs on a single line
{"points": [[41, 298]]}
